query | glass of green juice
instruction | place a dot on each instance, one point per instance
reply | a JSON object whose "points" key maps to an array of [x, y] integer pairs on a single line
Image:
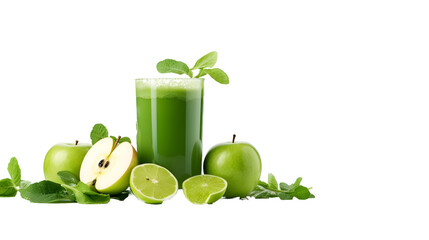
{"points": [[169, 124]]}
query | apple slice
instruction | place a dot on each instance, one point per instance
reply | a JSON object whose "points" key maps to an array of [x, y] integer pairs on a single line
{"points": [[107, 166]]}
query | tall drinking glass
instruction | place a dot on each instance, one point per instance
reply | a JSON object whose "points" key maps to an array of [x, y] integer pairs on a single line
{"points": [[169, 124]]}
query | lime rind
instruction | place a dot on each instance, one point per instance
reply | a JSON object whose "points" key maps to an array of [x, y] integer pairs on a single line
{"points": [[152, 183], [204, 189]]}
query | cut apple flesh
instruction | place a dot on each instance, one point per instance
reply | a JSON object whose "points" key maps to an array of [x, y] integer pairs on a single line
{"points": [[106, 169]]}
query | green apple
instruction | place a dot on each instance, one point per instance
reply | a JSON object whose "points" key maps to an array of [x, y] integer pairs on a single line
{"points": [[64, 157], [238, 163], [107, 166]]}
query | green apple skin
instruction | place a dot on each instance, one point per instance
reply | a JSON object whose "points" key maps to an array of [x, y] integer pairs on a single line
{"points": [[238, 163], [64, 157]]}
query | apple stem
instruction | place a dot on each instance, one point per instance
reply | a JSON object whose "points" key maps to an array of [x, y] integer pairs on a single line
{"points": [[77, 141], [233, 138], [117, 141]]}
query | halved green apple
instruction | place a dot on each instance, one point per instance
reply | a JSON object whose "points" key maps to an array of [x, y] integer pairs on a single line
{"points": [[107, 166]]}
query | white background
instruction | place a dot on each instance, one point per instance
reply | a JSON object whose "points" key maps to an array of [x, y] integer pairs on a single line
{"points": [[335, 92]]}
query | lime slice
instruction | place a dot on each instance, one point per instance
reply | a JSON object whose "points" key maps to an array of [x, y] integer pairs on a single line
{"points": [[152, 183], [204, 188]]}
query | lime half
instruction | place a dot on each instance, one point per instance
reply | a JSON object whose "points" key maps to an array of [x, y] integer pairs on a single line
{"points": [[204, 188], [153, 183]]}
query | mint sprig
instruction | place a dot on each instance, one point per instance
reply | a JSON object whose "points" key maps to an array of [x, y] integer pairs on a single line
{"points": [[283, 191], [10, 186], [204, 65]]}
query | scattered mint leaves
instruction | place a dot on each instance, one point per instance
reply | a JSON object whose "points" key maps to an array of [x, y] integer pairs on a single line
{"points": [[283, 191], [205, 66], [99, 131], [50, 192], [72, 191]]}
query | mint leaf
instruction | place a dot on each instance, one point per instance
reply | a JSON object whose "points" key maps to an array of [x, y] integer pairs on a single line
{"points": [[302, 193], [201, 73], [121, 196], [24, 184], [208, 60], [173, 66], [99, 131], [46, 192], [218, 75], [296, 183], [263, 184], [121, 140], [7, 188], [285, 196], [272, 182], [285, 186], [14, 171], [124, 139], [263, 192], [68, 178], [84, 195], [292, 187]]}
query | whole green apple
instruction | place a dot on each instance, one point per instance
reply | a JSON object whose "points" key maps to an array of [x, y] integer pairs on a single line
{"points": [[238, 163], [64, 157]]}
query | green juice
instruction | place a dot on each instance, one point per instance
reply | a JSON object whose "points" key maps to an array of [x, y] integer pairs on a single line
{"points": [[169, 124]]}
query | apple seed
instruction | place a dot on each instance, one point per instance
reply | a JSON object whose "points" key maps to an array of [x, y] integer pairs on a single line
{"points": [[107, 164], [100, 164]]}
